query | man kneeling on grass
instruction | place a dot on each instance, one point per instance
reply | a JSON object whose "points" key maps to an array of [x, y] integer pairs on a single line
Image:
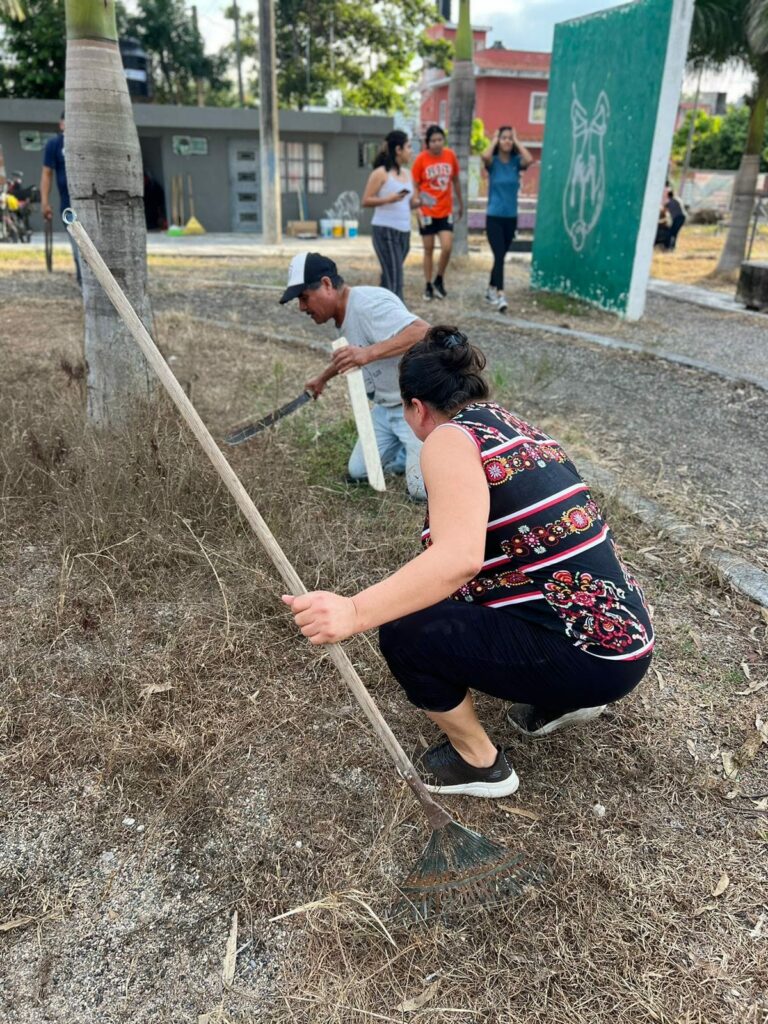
{"points": [[379, 329]]}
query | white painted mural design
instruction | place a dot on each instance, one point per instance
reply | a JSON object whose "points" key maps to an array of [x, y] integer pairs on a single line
{"points": [[584, 193]]}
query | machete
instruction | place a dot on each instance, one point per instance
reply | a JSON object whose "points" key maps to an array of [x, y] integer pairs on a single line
{"points": [[245, 433]]}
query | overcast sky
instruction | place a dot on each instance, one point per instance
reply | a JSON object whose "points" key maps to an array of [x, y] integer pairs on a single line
{"points": [[518, 24]]}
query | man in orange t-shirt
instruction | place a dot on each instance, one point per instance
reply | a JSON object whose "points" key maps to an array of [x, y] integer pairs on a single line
{"points": [[434, 170]]}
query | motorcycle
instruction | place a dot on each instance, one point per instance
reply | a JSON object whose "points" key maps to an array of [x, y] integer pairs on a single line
{"points": [[16, 203]]}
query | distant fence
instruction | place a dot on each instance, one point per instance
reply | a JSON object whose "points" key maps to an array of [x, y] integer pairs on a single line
{"points": [[713, 189]]}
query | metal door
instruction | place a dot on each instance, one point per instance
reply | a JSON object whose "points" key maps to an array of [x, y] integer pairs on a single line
{"points": [[244, 185]]}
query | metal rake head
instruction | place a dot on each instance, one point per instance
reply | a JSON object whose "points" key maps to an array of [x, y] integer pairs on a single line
{"points": [[459, 864]]}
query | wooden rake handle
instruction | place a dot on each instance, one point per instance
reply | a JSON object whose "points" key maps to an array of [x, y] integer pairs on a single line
{"points": [[436, 815]]}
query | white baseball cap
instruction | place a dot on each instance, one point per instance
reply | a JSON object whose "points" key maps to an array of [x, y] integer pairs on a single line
{"points": [[306, 269]]}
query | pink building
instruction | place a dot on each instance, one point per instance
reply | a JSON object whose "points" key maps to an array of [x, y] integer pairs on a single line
{"points": [[511, 89]]}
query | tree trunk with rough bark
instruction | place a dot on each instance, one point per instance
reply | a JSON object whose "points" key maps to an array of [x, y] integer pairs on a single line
{"points": [[461, 108], [106, 190], [745, 185]]}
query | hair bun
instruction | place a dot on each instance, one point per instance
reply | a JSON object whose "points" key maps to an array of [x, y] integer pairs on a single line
{"points": [[453, 346], [454, 341], [444, 370]]}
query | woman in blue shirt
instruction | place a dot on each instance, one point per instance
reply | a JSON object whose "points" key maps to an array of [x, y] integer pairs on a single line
{"points": [[504, 159]]}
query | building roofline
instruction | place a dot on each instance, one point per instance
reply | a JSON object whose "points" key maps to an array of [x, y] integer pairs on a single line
{"points": [[191, 119], [485, 72]]}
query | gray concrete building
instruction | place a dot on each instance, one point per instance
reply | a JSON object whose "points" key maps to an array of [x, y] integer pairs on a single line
{"points": [[216, 150]]}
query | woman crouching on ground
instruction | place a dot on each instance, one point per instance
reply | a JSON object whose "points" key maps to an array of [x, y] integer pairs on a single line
{"points": [[519, 591]]}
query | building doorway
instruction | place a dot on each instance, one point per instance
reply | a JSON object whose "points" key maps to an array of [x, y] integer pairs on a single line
{"points": [[154, 192], [244, 185]]}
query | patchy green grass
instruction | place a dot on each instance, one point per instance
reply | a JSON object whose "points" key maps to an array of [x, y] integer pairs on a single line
{"points": [[563, 305]]}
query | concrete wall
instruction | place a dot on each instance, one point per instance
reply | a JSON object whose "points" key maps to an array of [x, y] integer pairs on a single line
{"points": [[157, 125]]}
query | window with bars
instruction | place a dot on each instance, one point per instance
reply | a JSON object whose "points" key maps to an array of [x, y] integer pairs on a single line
{"points": [[302, 167]]}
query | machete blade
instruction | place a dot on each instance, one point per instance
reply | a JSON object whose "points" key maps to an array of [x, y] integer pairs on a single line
{"points": [[245, 433]]}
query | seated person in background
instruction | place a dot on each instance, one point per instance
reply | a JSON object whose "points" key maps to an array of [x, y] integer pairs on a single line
{"points": [[676, 213], [662, 227]]}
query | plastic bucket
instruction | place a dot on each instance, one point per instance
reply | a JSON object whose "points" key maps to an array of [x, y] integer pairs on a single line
{"points": [[350, 228], [337, 228], [326, 228]]}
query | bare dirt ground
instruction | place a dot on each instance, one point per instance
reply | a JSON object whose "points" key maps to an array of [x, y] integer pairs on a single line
{"points": [[172, 753]]}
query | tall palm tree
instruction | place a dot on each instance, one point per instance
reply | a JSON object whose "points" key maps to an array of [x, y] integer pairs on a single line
{"points": [[737, 30], [461, 108], [106, 188]]}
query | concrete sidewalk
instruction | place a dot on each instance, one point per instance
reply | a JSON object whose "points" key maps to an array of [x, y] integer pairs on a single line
{"points": [[723, 302], [237, 245]]}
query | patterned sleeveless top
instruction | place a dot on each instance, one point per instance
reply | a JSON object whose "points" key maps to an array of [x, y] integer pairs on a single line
{"points": [[548, 553]]}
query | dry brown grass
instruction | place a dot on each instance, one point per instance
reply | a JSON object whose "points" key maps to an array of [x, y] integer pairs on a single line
{"points": [[695, 258], [150, 673]]}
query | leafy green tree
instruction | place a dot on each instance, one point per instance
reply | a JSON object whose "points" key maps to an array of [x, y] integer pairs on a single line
{"points": [[32, 65], [726, 31], [35, 49], [718, 141], [167, 32], [479, 141], [367, 51]]}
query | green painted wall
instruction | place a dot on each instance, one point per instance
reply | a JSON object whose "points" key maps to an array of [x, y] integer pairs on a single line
{"points": [[606, 80]]}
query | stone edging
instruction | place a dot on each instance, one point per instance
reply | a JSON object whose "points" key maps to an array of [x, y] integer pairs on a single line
{"points": [[748, 579]]}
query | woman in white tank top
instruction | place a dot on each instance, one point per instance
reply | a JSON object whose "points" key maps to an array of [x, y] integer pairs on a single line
{"points": [[389, 191]]}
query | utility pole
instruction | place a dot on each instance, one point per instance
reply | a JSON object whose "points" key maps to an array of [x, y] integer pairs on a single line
{"points": [[689, 142], [198, 79], [238, 59], [269, 140]]}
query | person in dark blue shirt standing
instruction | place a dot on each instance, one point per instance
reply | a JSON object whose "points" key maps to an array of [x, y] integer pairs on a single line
{"points": [[504, 159], [53, 164]]}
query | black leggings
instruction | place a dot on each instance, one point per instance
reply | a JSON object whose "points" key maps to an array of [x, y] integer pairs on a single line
{"points": [[439, 653], [501, 232]]}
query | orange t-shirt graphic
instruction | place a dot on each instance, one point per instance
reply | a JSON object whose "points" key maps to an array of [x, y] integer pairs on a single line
{"points": [[434, 175]]}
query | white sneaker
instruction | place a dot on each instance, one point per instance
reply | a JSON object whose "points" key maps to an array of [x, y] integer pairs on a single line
{"points": [[501, 303], [532, 721], [491, 295]]}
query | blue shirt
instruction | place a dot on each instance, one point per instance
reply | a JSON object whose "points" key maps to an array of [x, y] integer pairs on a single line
{"points": [[53, 157], [504, 178]]}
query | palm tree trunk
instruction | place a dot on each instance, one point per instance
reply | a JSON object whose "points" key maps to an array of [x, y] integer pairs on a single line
{"points": [[106, 188], [745, 185], [461, 108]]}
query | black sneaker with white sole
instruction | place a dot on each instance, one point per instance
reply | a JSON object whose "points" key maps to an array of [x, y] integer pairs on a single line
{"points": [[428, 292], [439, 287], [444, 770], [534, 721]]}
